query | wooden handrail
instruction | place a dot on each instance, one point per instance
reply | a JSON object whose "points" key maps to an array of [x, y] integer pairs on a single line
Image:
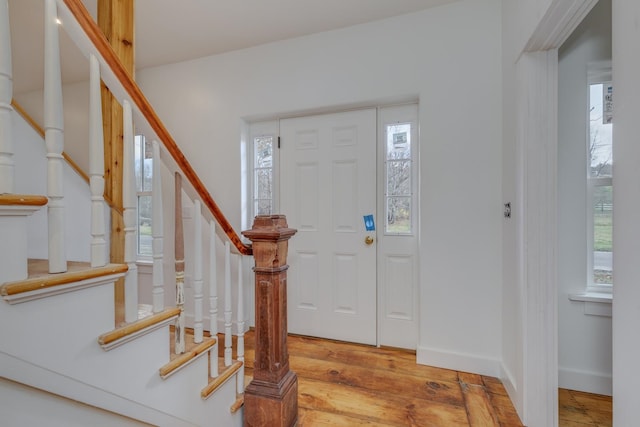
{"points": [[100, 42]]}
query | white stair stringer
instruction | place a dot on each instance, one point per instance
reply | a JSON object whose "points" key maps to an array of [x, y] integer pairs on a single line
{"points": [[51, 344]]}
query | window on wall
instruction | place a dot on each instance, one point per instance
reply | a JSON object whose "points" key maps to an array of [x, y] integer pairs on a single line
{"points": [[260, 158], [398, 179], [144, 174], [600, 187], [263, 174]]}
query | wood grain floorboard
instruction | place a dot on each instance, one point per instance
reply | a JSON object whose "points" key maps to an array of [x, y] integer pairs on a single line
{"points": [[345, 384], [580, 409]]}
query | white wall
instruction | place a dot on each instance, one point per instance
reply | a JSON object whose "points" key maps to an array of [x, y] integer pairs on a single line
{"points": [[521, 20], [450, 58], [75, 97], [626, 234], [584, 341], [27, 406], [31, 178]]}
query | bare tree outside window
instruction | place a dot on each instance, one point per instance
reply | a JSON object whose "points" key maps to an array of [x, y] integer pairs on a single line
{"points": [[263, 175], [600, 181], [398, 178]]}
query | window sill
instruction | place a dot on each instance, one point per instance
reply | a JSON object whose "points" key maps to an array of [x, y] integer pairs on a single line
{"points": [[595, 303], [145, 266]]}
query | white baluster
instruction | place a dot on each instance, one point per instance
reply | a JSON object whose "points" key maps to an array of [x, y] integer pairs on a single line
{"points": [[227, 304], [213, 298], [240, 347], [179, 341], [96, 166], [130, 216], [197, 273], [54, 138], [157, 232], [6, 93]]}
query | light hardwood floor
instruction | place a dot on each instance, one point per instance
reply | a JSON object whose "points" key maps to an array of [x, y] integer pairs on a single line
{"points": [[343, 384], [578, 409]]}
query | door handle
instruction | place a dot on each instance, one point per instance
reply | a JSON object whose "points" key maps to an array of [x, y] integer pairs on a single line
{"points": [[368, 240]]}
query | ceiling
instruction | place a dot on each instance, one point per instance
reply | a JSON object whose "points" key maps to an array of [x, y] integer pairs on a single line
{"points": [[170, 31]]}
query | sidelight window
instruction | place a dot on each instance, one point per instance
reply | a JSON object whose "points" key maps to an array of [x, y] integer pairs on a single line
{"points": [[263, 174], [398, 179], [144, 172], [600, 187]]}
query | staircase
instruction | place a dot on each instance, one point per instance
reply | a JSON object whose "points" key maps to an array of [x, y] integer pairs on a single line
{"points": [[65, 359]]}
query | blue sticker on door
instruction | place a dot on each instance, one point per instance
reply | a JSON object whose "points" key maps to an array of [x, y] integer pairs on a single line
{"points": [[369, 225]]}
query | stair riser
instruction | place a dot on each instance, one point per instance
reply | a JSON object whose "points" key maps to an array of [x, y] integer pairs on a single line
{"points": [[68, 349], [13, 244]]}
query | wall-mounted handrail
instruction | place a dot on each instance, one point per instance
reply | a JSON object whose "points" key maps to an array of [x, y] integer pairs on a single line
{"points": [[133, 91]]}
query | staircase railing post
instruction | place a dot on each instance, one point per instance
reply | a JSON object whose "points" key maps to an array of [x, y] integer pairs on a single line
{"points": [[157, 232], [198, 283], [130, 206], [180, 345], [272, 397], [213, 298], [6, 93], [54, 139], [96, 167]]}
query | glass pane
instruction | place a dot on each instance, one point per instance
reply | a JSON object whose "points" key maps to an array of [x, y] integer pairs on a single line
{"points": [[263, 207], [263, 184], [600, 130], [263, 150], [399, 141], [144, 225], [602, 234], [147, 166], [398, 215], [399, 178], [138, 148]]}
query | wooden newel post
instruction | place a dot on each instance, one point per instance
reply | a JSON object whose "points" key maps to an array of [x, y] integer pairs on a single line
{"points": [[271, 399]]}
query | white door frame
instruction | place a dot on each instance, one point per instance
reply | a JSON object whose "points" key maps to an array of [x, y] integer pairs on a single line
{"points": [[537, 138]]}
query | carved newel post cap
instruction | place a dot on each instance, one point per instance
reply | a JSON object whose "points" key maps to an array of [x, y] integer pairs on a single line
{"points": [[269, 228]]}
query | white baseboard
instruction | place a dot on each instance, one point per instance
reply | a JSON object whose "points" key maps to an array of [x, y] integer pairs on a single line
{"points": [[590, 382], [511, 386], [458, 361], [509, 383]]}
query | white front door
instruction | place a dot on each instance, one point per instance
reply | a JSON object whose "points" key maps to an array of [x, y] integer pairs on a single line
{"points": [[328, 183]]}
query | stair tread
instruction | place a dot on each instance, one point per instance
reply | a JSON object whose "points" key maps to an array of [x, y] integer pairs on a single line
{"points": [[193, 351], [8, 199], [40, 267], [39, 276], [226, 372], [137, 326]]}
